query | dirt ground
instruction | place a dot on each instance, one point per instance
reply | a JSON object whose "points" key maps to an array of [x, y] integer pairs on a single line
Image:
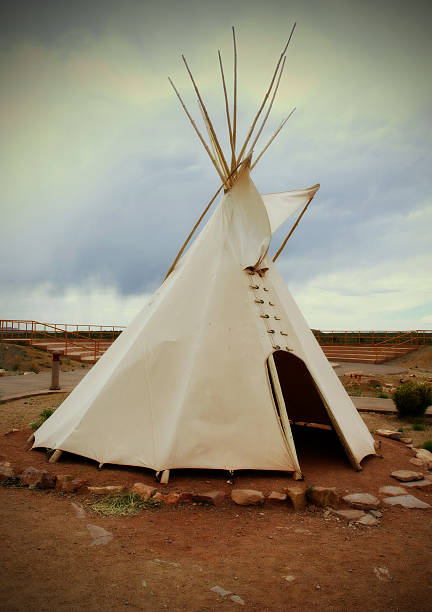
{"points": [[418, 366], [16, 359], [58, 554], [171, 558]]}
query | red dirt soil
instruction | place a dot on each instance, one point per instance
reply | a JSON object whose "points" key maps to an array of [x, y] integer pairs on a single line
{"points": [[181, 552]]}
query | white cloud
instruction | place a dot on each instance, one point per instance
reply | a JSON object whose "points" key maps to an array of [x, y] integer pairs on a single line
{"points": [[85, 304], [385, 296]]}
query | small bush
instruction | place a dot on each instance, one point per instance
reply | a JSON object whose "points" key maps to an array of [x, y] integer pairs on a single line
{"points": [[427, 445], [418, 427], [44, 415], [412, 399], [384, 395], [34, 368]]}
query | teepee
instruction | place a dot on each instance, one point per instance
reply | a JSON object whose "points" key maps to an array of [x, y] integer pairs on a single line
{"points": [[220, 362]]}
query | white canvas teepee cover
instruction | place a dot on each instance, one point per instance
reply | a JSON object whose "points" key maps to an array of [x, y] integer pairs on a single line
{"points": [[186, 385]]}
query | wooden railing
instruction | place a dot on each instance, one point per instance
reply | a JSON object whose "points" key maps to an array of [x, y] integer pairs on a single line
{"points": [[82, 337], [374, 338]]}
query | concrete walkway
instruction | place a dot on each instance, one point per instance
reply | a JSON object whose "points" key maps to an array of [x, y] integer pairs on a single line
{"points": [[35, 383], [12, 387], [367, 369]]}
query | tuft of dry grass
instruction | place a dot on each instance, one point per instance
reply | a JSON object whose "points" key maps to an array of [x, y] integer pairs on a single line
{"points": [[125, 504]]}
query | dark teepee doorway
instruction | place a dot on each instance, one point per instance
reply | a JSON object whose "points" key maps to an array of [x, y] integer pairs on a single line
{"points": [[302, 405]]}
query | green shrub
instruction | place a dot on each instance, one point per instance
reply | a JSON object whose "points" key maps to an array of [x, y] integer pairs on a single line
{"points": [[418, 427], [427, 445], [44, 415], [384, 395], [412, 399]]}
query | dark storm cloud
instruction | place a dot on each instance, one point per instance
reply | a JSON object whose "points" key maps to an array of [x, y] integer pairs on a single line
{"points": [[104, 177]]}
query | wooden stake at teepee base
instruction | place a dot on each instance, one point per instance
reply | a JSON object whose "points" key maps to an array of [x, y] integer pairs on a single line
{"points": [[165, 477], [55, 456], [31, 439]]}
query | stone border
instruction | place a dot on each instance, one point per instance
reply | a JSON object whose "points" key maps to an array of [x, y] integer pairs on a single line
{"points": [[359, 508]]}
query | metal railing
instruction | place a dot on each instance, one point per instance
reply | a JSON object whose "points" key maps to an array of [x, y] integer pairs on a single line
{"points": [[90, 338]]}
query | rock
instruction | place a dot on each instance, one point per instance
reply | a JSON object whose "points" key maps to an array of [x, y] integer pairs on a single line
{"points": [[79, 510], [376, 513], [69, 484], [406, 475], [423, 452], [406, 501], [237, 599], [108, 490], [214, 498], [362, 501], [425, 456], [349, 515], [297, 496], [40, 479], [185, 497], [6, 472], [391, 490], [289, 578], [2, 372], [143, 490], [276, 498], [323, 496], [99, 534], [247, 497], [172, 499], [417, 462], [220, 591], [389, 433], [425, 483], [406, 440], [368, 520], [382, 573]]}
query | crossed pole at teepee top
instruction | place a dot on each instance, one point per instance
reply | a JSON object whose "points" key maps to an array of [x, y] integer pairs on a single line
{"points": [[228, 173]]}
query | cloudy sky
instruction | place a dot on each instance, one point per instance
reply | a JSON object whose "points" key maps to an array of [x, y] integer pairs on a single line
{"points": [[102, 176]]}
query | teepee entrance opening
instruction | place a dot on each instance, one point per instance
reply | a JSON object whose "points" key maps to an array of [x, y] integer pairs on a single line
{"points": [[302, 400], [300, 405]]}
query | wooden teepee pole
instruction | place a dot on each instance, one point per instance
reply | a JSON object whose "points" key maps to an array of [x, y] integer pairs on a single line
{"points": [[265, 97], [293, 228], [269, 109], [271, 139], [186, 242], [208, 121], [212, 142], [233, 155], [227, 108], [203, 142]]}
